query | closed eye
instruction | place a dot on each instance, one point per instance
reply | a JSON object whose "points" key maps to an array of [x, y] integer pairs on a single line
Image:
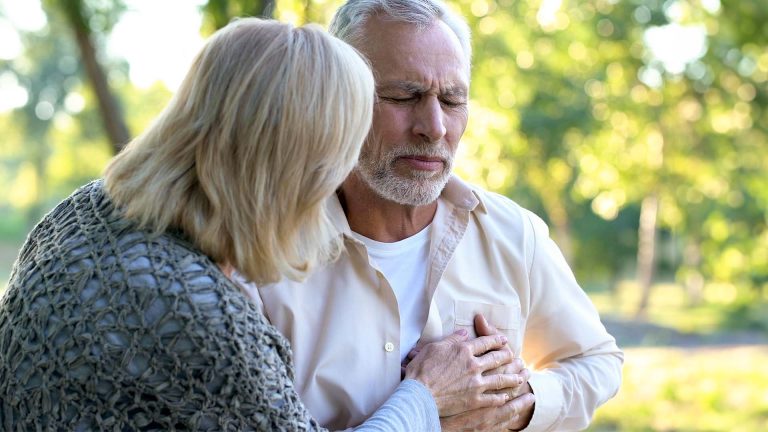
{"points": [[399, 100], [452, 103]]}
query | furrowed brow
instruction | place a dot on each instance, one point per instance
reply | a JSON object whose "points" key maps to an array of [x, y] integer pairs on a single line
{"points": [[459, 92], [398, 85]]}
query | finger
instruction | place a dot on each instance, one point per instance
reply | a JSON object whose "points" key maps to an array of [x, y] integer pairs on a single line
{"points": [[495, 359], [502, 382], [456, 337], [515, 407], [516, 410], [498, 370], [488, 400], [525, 373], [512, 423], [484, 344], [516, 366], [522, 388], [483, 327], [413, 353]]}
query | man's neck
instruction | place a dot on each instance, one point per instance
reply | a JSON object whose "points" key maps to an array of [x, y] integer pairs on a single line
{"points": [[379, 219]]}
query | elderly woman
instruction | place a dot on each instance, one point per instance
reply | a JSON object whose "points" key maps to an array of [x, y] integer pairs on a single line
{"points": [[120, 312]]}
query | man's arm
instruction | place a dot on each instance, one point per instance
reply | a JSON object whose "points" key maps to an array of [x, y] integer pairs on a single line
{"points": [[575, 363]]}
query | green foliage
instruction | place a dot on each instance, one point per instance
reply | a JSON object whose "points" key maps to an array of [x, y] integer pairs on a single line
{"points": [[573, 114], [673, 389], [93, 16], [12, 226], [218, 13], [585, 113], [746, 315]]}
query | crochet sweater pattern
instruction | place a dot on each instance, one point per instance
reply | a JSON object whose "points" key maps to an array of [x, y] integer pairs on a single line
{"points": [[105, 326]]}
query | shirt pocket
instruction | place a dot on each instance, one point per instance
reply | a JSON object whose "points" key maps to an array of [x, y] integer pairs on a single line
{"points": [[505, 317]]}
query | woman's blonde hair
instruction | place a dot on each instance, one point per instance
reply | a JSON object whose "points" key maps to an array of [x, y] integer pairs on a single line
{"points": [[267, 123]]}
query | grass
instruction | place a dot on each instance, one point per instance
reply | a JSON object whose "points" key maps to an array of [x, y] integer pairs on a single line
{"points": [[702, 389], [669, 307]]}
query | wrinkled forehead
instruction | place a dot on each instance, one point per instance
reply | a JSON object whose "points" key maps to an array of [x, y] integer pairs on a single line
{"points": [[402, 51]]}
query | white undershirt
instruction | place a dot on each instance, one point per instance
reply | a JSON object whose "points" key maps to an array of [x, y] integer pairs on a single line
{"points": [[404, 265]]}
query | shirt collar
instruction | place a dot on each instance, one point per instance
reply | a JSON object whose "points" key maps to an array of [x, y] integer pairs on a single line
{"points": [[337, 216], [457, 192], [462, 195]]}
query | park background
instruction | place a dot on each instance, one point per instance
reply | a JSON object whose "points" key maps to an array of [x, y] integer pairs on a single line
{"points": [[638, 129]]}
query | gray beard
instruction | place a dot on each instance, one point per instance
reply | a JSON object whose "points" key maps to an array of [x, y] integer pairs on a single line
{"points": [[420, 189]]}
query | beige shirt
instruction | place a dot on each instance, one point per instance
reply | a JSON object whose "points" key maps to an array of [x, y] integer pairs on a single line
{"points": [[487, 255]]}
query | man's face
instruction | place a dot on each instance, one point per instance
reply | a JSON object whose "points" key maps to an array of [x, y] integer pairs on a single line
{"points": [[422, 85]]}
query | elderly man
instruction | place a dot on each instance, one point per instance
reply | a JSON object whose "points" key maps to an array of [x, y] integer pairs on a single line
{"points": [[425, 253]]}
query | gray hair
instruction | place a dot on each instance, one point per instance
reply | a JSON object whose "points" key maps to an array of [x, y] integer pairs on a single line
{"points": [[348, 21]]}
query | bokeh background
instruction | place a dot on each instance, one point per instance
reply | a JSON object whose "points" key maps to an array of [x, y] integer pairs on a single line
{"points": [[637, 128]]}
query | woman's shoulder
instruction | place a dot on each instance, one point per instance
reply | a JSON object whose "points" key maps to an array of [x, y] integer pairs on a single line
{"points": [[86, 231], [103, 302], [84, 257]]}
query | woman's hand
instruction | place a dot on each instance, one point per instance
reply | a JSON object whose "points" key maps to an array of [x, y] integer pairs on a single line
{"points": [[452, 369]]}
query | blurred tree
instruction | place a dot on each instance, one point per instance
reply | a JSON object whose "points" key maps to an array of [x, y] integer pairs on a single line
{"points": [[82, 17], [218, 13], [642, 159], [576, 104], [47, 73]]}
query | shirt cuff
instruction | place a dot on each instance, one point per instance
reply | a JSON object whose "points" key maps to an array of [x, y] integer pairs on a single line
{"points": [[549, 401]]}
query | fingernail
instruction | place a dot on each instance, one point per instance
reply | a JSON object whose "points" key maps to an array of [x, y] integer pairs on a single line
{"points": [[504, 339], [519, 380], [462, 332]]}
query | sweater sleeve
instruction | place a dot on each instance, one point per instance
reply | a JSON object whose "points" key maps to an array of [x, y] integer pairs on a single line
{"points": [[410, 409], [236, 370]]}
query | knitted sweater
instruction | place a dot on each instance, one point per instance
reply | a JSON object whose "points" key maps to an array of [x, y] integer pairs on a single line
{"points": [[105, 326]]}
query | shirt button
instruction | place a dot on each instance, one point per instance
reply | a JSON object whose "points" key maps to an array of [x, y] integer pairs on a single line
{"points": [[389, 347]]}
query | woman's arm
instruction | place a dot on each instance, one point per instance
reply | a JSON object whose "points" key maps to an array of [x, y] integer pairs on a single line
{"points": [[410, 408]]}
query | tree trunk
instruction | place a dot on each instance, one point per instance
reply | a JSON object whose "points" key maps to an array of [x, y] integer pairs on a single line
{"points": [[694, 280], [111, 115], [309, 15], [646, 251], [267, 9], [221, 12]]}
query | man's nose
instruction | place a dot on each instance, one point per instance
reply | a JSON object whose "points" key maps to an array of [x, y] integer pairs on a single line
{"points": [[429, 121]]}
